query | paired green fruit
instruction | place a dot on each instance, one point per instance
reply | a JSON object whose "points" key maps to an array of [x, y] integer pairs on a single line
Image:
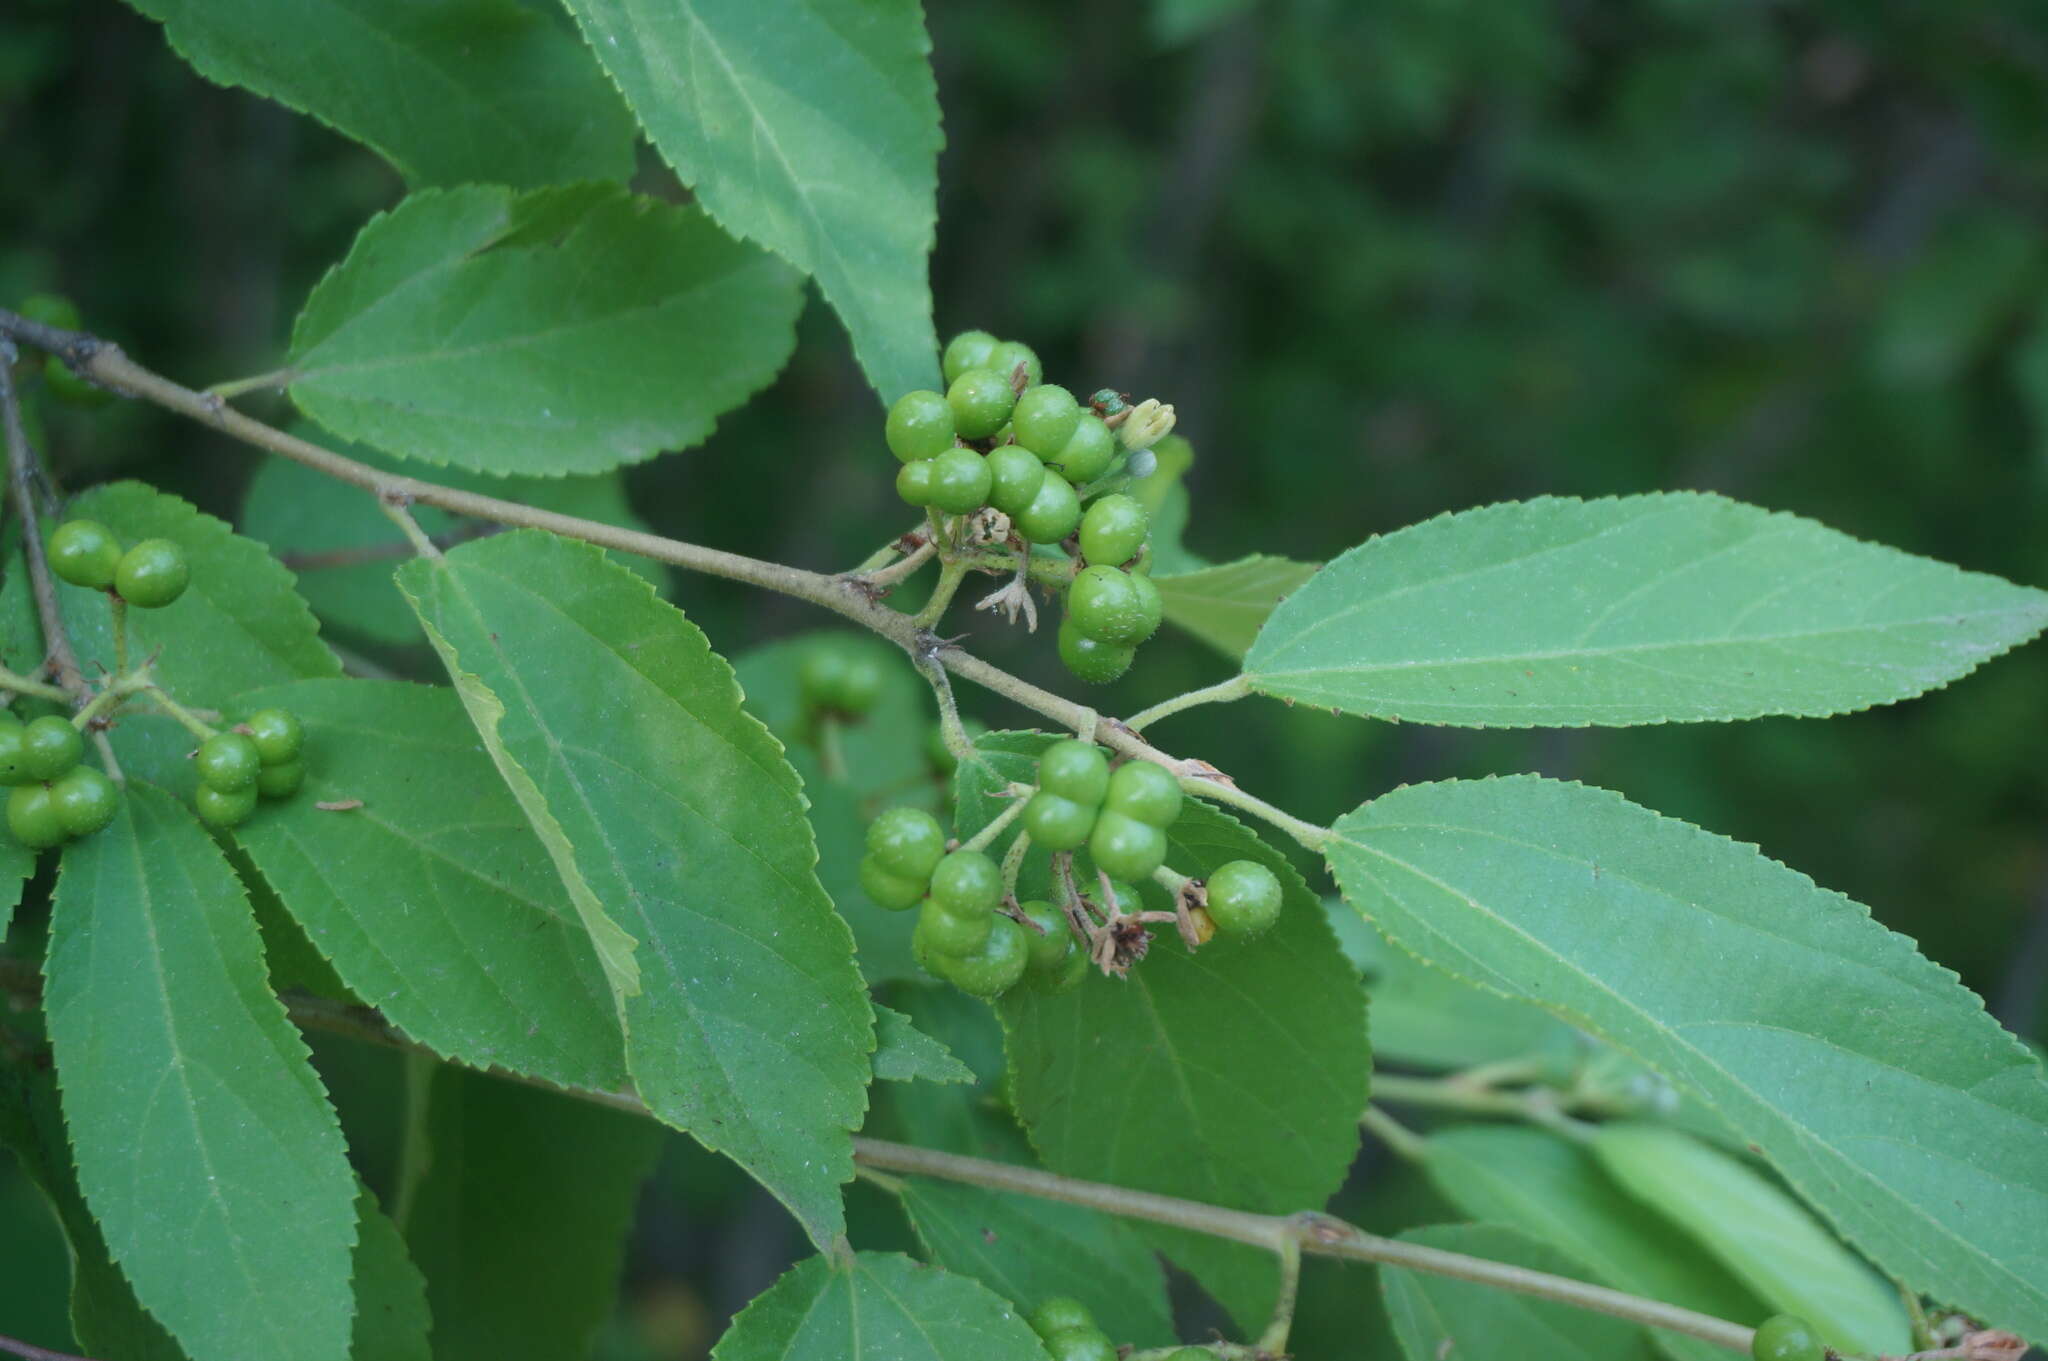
{"points": [[1124, 847], [981, 400], [1090, 659], [1244, 898], [1088, 452], [1114, 529], [33, 817], [152, 574], [1146, 791], [1045, 419], [992, 968], [1112, 606], [1052, 514], [278, 735], [839, 680], [968, 350], [1785, 1338], [960, 481], [1015, 477], [84, 553], [224, 808], [228, 761], [85, 800], [50, 746], [1057, 823], [1007, 356], [1061, 1313], [1075, 770], [920, 426]]}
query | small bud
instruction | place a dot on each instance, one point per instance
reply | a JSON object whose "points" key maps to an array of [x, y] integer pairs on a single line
{"points": [[1141, 465], [1150, 421]]}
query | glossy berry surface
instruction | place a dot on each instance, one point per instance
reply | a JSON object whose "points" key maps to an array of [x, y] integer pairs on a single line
{"points": [[84, 553], [951, 933], [49, 747], [995, 967], [1088, 452], [222, 808], [920, 425], [1080, 1344], [887, 889], [1076, 770], [13, 765], [228, 761], [981, 400], [907, 841], [1146, 791], [1090, 659], [278, 735], [282, 780], [1244, 898], [914, 483], [1052, 515], [1151, 607], [1045, 419], [960, 481], [152, 574], [1106, 606], [967, 882], [1049, 945], [86, 801], [1114, 529], [1785, 1338], [1057, 823], [1014, 478], [1124, 847], [968, 350], [1059, 1314], [1007, 355], [32, 817]]}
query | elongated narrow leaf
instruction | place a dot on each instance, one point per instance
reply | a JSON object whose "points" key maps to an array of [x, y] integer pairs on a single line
{"points": [[1640, 609], [1533, 1181], [810, 127], [434, 899], [1864, 1073], [488, 90], [1437, 1317], [1225, 606], [520, 1221], [206, 1147], [562, 331], [391, 1298], [903, 1053], [671, 806], [1764, 1236], [876, 1307]]}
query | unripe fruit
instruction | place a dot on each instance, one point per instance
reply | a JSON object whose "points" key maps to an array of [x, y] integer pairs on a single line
{"points": [[1014, 478], [282, 780], [967, 883], [228, 761], [1080, 1344], [995, 967], [33, 818], [839, 679], [887, 890], [1007, 355], [1113, 530], [1045, 418], [50, 746], [968, 350], [13, 754], [1065, 978], [222, 808], [1146, 791], [1785, 1338], [1052, 515], [1059, 1314], [914, 483], [1244, 898], [981, 400], [907, 842], [1088, 451], [152, 574], [1057, 823], [951, 933], [84, 553], [278, 735], [920, 425], [1124, 847], [1151, 605], [1048, 946], [1091, 660], [1104, 603], [86, 801], [960, 481], [1075, 770]]}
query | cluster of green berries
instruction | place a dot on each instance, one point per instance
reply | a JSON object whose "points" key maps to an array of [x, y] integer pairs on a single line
{"points": [[54, 797], [149, 576], [1068, 1330], [1785, 1338], [256, 758]]}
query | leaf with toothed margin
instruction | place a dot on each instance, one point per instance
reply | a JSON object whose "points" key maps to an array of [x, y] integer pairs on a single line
{"points": [[903, 1053], [876, 1306]]}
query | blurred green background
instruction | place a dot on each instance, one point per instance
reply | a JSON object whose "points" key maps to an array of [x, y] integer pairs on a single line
{"points": [[1389, 258]]}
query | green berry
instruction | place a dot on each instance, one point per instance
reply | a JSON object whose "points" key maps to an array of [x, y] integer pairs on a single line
{"points": [[50, 746], [13, 759], [84, 553], [908, 842], [1125, 847], [1151, 605], [1059, 1314], [920, 426], [1092, 660], [968, 883], [1106, 604], [282, 780], [981, 400], [1080, 1344], [85, 800], [152, 574], [1005, 358], [278, 735], [968, 350], [1057, 823], [914, 483], [960, 481], [1049, 945], [1064, 979], [1014, 478], [1045, 419], [224, 808], [1114, 529], [886, 889], [228, 761], [995, 967], [840, 680], [1052, 515], [1075, 770], [1146, 791], [1785, 1338], [951, 933], [33, 818], [1088, 451], [1244, 898]]}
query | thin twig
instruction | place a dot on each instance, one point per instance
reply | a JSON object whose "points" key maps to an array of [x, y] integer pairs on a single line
{"points": [[1237, 687], [21, 466], [29, 1351]]}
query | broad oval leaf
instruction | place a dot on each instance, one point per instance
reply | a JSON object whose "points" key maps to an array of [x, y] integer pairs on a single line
{"points": [[562, 331], [876, 1306], [1225, 606], [206, 1147], [1763, 1235], [433, 899], [662, 800], [810, 127], [1439, 1317], [1863, 1072], [1679, 607], [488, 91]]}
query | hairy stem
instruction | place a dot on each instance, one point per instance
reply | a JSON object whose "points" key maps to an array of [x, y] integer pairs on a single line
{"points": [[1237, 687]]}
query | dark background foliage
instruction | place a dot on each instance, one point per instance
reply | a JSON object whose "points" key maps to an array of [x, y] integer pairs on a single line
{"points": [[1389, 259]]}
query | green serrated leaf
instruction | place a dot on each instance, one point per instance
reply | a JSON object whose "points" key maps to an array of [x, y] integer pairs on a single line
{"points": [[562, 331], [1439, 1316], [876, 1307], [667, 802], [903, 1053], [812, 128], [1224, 606], [481, 90], [1864, 1073], [1555, 1192], [434, 899], [206, 1147], [391, 1297], [520, 1221], [1680, 607]]}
